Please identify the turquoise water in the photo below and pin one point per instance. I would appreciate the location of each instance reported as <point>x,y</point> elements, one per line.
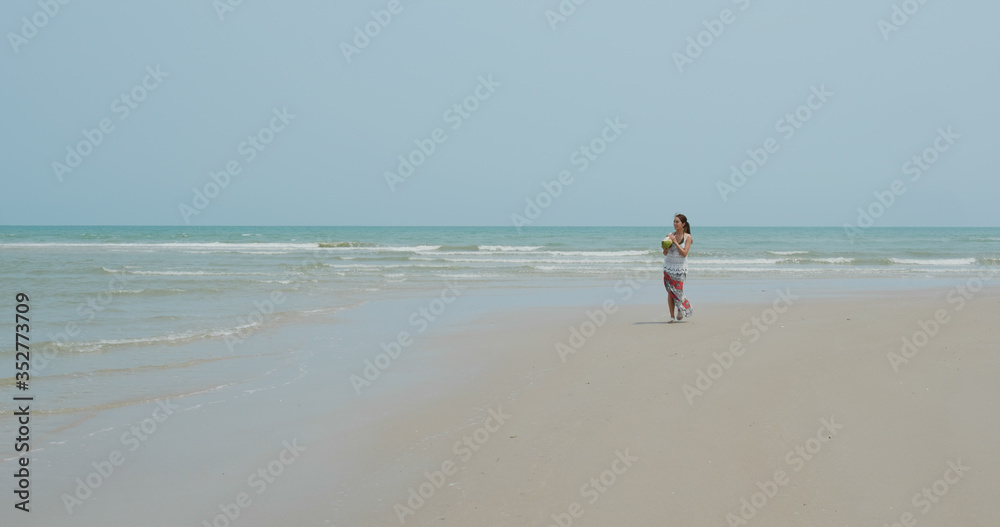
<point>503,252</point>
<point>128,314</point>
<point>172,285</point>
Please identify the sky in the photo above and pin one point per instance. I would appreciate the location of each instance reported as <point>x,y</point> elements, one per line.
<point>474,112</point>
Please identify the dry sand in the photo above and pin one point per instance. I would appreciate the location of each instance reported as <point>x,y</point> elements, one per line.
<point>811,424</point>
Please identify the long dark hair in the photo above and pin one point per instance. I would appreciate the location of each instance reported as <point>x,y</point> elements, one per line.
<point>684,219</point>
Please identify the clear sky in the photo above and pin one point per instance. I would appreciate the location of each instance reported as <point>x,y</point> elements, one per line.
<point>310,113</point>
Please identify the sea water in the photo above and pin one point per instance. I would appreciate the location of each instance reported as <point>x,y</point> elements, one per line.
<point>125,315</point>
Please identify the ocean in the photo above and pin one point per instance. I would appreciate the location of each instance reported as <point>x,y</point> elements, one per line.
<point>124,315</point>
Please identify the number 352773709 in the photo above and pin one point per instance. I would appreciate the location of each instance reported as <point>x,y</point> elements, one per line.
<point>22,358</point>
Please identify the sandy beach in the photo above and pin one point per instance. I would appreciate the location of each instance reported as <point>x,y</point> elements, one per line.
<point>781,409</point>
<point>821,419</point>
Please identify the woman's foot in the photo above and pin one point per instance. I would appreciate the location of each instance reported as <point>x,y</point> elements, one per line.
<point>680,315</point>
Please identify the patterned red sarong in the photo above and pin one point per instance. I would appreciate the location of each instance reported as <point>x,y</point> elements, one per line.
<point>675,287</point>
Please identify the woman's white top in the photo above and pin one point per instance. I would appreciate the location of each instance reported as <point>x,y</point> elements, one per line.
<point>673,262</point>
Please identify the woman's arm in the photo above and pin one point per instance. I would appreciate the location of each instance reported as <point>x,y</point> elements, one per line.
<point>687,246</point>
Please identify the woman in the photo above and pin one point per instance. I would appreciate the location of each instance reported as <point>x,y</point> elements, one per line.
<point>675,267</point>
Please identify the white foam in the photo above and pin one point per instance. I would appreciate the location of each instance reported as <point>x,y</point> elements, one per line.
<point>469,276</point>
<point>89,347</point>
<point>509,248</point>
<point>601,253</point>
<point>216,246</point>
<point>184,273</point>
<point>939,261</point>
<point>413,248</point>
<point>523,260</point>
<point>737,261</point>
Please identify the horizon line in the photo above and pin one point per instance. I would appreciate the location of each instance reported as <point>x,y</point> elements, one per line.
<point>525,227</point>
